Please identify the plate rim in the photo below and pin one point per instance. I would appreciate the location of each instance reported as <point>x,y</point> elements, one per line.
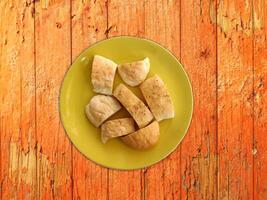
<point>69,135</point>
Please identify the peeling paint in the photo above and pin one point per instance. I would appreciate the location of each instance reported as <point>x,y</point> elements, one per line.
<point>247,5</point>
<point>212,13</point>
<point>22,164</point>
<point>254,151</point>
<point>258,23</point>
<point>194,175</point>
<point>12,56</point>
<point>231,20</point>
<point>44,4</point>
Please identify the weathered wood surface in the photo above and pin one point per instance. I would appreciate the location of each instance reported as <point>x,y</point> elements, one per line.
<point>198,54</point>
<point>235,100</point>
<point>125,184</point>
<point>89,180</point>
<point>162,24</point>
<point>223,46</point>
<point>53,56</point>
<point>260,98</point>
<point>18,105</point>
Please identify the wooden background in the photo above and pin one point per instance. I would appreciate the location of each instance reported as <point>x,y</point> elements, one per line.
<point>223,46</point>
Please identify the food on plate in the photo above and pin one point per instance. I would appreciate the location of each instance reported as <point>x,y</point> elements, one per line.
<point>103,73</point>
<point>144,138</point>
<point>134,73</point>
<point>100,108</point>
<point>158,98</point>
<point>116,128</point>
<point>103,106</point>
<point>137,109</point>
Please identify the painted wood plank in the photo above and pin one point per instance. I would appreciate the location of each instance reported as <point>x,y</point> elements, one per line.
<point>89,179</point>
<point>260,99</point>
<point>235,99</point>
<point>198,54</point>
<point>125,18</point>
<point>53,56</point>
<point>17,101</point>
<point>162,24</point>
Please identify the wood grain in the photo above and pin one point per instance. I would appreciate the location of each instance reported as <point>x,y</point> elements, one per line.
<point>198,54</point>
<point>90,180</point>
<point>260,99</point>
<point>125,18</point>
<point>162,181</point>
<point>223,47</point>
<point>53,56</point>
<point>17,101</point>
<point>235,99</point>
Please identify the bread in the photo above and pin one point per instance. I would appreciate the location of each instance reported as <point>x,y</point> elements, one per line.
<point>100,108</point>
<point>158,98</point>
<point>143,138</point>
<point>137,109</point>
<point>134,73</point>
<point>102,76</point>
<point>116,128</point>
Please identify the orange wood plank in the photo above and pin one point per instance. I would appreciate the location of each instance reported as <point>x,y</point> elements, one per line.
<point>235,100</point>
<point>260,99</point>
<point>162,24</point>
<point>125,18</point>
<point>89,180</point>
<point>198,54</point>
<point>17,101</point>
<point>53,56</point>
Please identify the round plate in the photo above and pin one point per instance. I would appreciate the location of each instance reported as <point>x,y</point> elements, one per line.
<point>76,92</point>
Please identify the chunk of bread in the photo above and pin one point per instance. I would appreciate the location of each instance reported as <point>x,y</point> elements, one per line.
<point>137,109</point>
<point>102,76</point>
<point>134,73</point>
<point>100,108</point>
<point>116,128</point>
<point>144,138</point>
<point>158,98</point>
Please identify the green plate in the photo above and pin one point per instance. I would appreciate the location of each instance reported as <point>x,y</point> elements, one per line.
<point>76,91</point>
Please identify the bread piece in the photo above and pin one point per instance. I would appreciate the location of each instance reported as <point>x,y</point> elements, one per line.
<point>157,98</point>
<point>102,76</point>
<point>100,108</point>
<point>116,128</point>
<point>134,73</point>
<point>133,105</point>
<point>143,138</point>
